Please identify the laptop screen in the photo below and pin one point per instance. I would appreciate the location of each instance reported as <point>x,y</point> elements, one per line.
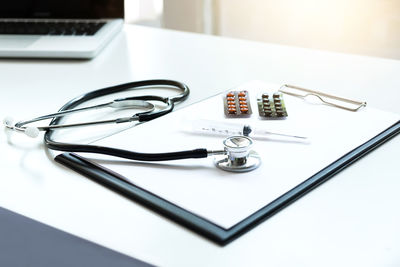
<point>74,9</point>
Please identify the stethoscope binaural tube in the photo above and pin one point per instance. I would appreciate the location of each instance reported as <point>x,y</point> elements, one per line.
<point>120,103</point>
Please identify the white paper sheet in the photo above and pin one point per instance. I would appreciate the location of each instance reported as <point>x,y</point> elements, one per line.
<point>226,198</point>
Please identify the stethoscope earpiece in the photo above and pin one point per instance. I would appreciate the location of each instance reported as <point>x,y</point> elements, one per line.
<point>31,131</point>
<point>8,121</point>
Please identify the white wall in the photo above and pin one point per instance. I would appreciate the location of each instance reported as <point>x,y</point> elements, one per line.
<point>369,27</point>
<point>183,15</point>
<point>145,12</point>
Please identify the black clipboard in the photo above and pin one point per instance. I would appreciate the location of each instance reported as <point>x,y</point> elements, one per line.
<point>204,227</point>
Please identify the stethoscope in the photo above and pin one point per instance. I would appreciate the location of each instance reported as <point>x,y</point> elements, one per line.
<point>236,156</point>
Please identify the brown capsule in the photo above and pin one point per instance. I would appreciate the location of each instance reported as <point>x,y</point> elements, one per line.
<point>242,93</point>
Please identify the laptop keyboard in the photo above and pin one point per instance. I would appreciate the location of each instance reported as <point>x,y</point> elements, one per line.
<point>50,28</point>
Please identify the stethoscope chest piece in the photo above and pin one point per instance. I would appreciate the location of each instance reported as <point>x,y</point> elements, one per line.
<point>238,157</point>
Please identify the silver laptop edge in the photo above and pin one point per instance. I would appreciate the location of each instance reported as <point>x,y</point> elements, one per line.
<point>50,46</point>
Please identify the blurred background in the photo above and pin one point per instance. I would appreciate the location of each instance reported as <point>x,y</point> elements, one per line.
<point>366,27</point>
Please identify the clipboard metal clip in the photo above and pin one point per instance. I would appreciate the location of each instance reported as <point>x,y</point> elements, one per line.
<point>330,100</point>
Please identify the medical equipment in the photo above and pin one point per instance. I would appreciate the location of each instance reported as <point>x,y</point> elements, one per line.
<point>235,157</point>
<point>204,126</point>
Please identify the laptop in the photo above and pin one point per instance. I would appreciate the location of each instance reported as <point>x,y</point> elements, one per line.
<point>58,28</point>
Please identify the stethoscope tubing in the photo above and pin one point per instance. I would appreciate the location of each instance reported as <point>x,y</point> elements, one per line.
<point>141,117</point>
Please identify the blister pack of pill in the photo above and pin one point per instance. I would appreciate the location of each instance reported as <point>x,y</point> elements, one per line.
<point>237,104</point>
<point>271,106</point>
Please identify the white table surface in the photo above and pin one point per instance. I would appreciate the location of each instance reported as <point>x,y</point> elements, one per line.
<point>351,220</point>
